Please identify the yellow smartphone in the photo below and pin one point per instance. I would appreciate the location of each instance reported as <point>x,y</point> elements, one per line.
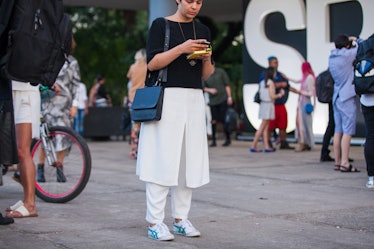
<point>199,53</point>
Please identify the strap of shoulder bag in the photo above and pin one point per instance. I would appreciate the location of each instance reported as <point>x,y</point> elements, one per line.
<point>163,73</point>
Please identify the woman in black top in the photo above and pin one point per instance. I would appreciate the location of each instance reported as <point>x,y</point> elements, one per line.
<point>173,152</point>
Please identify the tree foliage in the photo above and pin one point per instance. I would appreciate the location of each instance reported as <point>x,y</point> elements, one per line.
<point>106,43</point>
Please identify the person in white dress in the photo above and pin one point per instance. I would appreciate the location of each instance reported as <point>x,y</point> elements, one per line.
<point>267,110</point>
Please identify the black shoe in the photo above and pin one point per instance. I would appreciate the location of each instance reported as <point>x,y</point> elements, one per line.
<point>5,169</point>
<point>16,176</point>
<point>226,143</point>
<point>286,146</point>
<point>270,144</point>
<point>60,174</point>
<point>5,221</point>
<point>327,158</point>
<point>213,144</point>
<point>40,173</point>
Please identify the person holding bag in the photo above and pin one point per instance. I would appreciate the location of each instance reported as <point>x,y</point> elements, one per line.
<point>173,152</point>
<point>304,117</point>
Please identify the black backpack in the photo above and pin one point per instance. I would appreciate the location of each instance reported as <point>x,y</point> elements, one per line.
<point>231,120</point>
<point>364,67</point>
<point>324,87</point>
<point>39,41</point>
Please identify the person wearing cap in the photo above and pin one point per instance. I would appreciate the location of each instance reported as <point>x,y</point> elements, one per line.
<point>280,121</point>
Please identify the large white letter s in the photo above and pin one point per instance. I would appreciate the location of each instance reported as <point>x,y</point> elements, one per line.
<point>260,47</point>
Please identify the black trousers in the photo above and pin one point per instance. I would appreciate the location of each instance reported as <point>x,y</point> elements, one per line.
<point>329,133</point>
<point>218,115</point>
<point>368,113</point>
<point>8,145</point>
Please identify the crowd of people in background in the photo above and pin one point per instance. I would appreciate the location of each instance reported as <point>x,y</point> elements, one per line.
<point>342,109</point>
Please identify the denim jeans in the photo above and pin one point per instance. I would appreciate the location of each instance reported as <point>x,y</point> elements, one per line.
<point>368,113</point>
<point>79,121</point>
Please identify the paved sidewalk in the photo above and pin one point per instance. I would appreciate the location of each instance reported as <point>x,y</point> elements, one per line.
<point>255,200</point>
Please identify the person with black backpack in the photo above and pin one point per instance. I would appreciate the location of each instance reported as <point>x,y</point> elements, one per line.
<point>341,67</point>
<point>324,92</point>
<point>26,102</point>
<point>367,107</point>
<point>38,40</point>
<point>8,146</point>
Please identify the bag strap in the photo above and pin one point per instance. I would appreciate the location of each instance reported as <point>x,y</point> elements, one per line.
<point>163,73</point>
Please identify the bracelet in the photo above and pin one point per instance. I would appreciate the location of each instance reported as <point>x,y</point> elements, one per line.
<point>229,97</point>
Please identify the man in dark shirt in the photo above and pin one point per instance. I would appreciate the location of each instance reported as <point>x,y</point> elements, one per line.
<point>218,87</point>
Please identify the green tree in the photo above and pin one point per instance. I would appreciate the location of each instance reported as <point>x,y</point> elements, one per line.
<point>106,43</point>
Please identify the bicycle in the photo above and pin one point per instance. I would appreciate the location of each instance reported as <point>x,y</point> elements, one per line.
<point>67,163</point>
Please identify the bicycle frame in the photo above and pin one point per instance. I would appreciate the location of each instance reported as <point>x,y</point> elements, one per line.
<point>49,149</point>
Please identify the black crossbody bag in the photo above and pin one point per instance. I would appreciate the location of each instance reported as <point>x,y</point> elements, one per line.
<point>148,101</point>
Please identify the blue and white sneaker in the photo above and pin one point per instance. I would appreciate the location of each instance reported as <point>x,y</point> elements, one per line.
<point>185,228</point>
<point>370,182</point>
<point>160,232</point>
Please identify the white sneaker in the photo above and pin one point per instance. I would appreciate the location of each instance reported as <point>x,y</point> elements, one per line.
<point>370,182</point>
<point>185,228</point>
<point>160,232</point>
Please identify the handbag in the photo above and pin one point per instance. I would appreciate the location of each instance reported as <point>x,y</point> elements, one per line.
<point>309,108</point>
<point>257,98</point>
<point>147,105</point>
<point>148,101</point>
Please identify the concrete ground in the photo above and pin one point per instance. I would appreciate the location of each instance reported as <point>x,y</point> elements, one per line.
<point>254,200</point>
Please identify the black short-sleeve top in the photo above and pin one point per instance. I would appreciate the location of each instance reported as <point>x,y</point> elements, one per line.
<point>180,73</point>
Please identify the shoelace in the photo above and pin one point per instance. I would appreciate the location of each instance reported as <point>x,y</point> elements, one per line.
<point>158,229</point>
<point>186,225</point>
<point>161,228</point>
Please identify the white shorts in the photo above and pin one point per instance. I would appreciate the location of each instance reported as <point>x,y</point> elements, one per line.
<point>26,106</point>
